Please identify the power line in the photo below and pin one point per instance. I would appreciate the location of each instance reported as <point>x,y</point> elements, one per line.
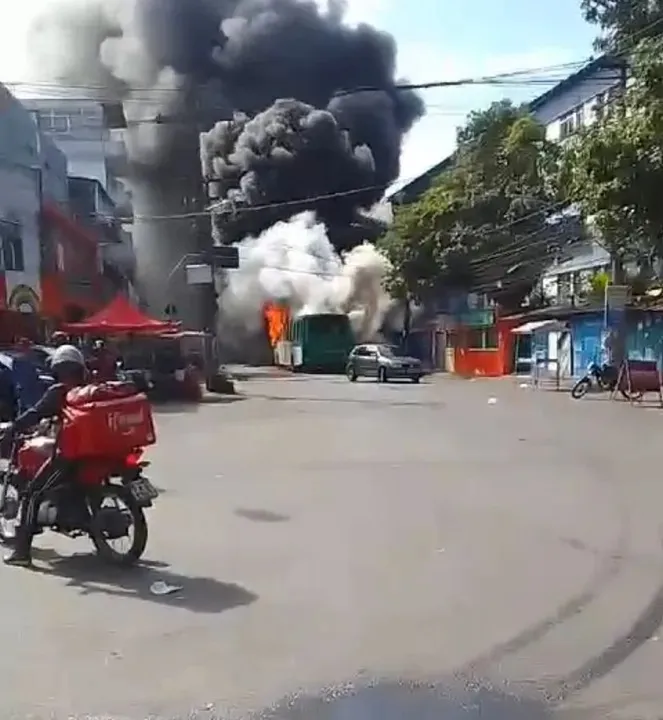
<point>258,208</point>
<point>153,93</point>
<point>515,248</point>
<point>304,201</point>
<point>629,41</point>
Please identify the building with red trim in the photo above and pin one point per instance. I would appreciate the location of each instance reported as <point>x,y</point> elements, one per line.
<point>71,277</point>
<point>50,271</point>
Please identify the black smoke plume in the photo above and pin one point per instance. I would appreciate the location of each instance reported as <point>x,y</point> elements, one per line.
<point>260,79</point>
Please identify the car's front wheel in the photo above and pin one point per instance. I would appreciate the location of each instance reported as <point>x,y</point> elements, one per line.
<point>351,373</point>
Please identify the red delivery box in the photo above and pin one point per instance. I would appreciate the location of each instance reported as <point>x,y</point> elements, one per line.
<point>106,420</point>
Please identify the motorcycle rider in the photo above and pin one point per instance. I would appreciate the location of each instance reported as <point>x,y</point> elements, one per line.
<point>58,338</point>
<point>68,365</point>
<point>102,362</point>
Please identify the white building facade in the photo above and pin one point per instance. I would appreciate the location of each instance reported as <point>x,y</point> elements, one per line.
<point>572,104</point>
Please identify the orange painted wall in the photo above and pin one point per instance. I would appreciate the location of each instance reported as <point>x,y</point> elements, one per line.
<point>470,362</point>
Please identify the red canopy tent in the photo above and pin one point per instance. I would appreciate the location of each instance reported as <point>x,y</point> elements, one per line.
<point>121,317</point>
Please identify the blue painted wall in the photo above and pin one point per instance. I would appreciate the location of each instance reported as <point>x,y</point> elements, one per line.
<point>644,337</point>
<point>586,338</point>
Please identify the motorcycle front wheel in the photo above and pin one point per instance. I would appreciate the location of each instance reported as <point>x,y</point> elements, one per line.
<point>113,522</point>
<point>581,388</point>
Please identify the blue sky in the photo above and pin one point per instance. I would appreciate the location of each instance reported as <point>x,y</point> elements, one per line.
<point>437,40</point>
<point>440,40</point>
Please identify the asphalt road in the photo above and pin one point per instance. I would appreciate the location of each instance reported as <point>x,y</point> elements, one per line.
<point>380,552</point>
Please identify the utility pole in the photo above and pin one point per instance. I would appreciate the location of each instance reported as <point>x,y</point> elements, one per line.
<point>617,262</point>
<point>203,225</point>
<point>616,301</point>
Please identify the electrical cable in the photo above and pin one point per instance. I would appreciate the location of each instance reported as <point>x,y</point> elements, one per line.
<point>152,93</point>
<point>495,79</point>
<point>499,286</point>
<point>329,196</point>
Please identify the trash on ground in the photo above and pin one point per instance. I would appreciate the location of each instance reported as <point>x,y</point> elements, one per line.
<point>492,401</point>
<point>162,588</point>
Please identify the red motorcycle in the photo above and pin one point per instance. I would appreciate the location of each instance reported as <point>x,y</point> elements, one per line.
<point>107,492</point>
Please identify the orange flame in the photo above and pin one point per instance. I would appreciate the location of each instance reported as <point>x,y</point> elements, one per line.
<point>276,319</point>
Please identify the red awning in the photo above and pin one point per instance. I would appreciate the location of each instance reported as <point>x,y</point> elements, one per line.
<point>121,317</point>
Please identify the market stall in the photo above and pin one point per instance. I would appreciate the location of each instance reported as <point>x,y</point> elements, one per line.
<point>146,346</point>
<point>120,317</point>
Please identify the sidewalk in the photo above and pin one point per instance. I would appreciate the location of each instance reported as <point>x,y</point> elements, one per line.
<point>249,372</point>
<point>522,381</point>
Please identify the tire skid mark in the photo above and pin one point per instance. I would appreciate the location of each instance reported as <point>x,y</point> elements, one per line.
<point>606,572</point>
<point>642,630</point>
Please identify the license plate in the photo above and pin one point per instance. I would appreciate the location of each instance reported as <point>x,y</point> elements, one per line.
<point>143,490</point>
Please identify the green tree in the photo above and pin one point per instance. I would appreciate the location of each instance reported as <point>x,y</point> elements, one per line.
<point>624,22</point>
<point>484,216</point>
<point>614,168</point>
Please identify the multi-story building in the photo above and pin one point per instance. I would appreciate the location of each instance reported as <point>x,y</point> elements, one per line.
<point>41,244</point>
<point>92,207</point>
<point>575,102</point>
<point>80,128</point>
<point>581,98</point>
<point>572,104</point>
<point>22,159</point>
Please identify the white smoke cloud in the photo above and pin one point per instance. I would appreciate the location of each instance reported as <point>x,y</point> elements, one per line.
<point>294,262</point>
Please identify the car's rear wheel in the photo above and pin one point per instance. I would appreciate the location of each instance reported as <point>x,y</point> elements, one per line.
<point>416,379</point>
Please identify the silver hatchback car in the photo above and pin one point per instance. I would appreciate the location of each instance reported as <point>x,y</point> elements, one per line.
<point>382,362</point>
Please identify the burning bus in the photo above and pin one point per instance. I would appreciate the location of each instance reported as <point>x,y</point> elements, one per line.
<point>317,342</point>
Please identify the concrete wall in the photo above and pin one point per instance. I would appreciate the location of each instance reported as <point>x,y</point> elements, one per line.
<point>77,128</point>
<point>20,211</point>
<point>29,167</point>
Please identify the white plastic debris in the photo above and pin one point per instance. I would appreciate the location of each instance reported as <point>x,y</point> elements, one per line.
<point>523,385</point>
<point>162,588</point>
<point>492,401</point>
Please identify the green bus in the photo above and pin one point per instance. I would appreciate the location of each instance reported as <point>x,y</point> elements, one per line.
<point>318,343</point>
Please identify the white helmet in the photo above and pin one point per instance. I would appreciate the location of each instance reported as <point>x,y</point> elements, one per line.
<point>67,354</point>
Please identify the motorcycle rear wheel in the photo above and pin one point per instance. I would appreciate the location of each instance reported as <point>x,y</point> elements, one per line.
<point>100,539</point>
<point>581,388</point>
<point>9,514</point>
